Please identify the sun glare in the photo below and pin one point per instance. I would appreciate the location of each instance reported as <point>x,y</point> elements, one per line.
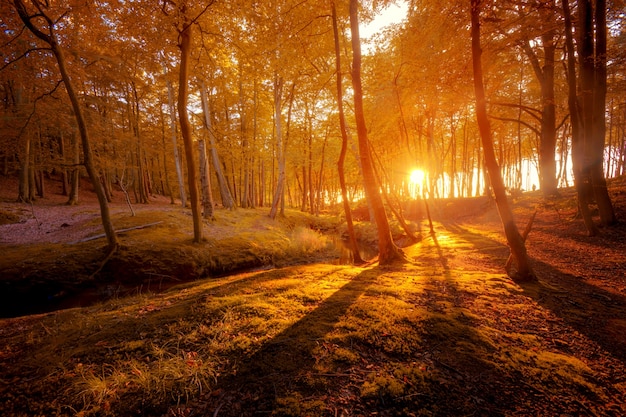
<point>416,177</point>
<point>416,181</point>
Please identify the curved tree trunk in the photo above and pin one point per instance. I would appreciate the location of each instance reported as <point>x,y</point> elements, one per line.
<point>185,128</point>
<point>387,249</point>
<point>513,237</point>
<point>57,51</point>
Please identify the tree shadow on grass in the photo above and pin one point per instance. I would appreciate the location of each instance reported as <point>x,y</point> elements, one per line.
<point>283,365</point>
<point>594,312</point>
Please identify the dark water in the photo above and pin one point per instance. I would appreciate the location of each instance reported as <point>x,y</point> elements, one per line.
<point>48,297</point>
<point>346,256</point>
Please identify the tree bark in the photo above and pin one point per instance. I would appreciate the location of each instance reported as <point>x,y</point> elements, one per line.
<point>388,252</point>
<point>185,35</point>
<point>545,76</point>
<point>205,182</point>
<point>280,152</point>
<point>514,239</point>
<point>179,169</point>
<point>598,132</point>
<point>581,179</point>
<point>227,198</point>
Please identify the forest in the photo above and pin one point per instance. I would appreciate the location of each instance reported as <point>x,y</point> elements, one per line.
<point>239,207</point>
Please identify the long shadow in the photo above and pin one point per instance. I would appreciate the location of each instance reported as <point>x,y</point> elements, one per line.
<point>283,363</point>
<point>591,310</point>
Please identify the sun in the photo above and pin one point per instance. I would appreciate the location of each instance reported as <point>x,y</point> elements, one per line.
<point>416,182</point>
<point>416,177</point>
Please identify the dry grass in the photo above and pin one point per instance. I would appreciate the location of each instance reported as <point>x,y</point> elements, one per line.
<point>444,333</point>
<point>303,339</point>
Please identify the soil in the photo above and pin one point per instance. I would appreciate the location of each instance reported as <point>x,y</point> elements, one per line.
<point>573,315</point>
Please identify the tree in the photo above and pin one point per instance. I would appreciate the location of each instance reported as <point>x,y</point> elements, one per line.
<point>581,179</point>
<point>545,76</point>
<point>592,63</point>
<point>514,239</point>
<point>184,28</point>
<point>47,33</point>
<point>227,199</point>
<point>388,252</point>
<point>356,256</point>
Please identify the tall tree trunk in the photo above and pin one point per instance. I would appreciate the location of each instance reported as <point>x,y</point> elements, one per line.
<point>318,195</point>
<point>387,249</point>
<point>581,179</point>
<point>205,182</point>
<point>177,161</point>
<point>245,146</point>
<point>516,243</point>
<point>598,130</point>
<point>166,171</point>
<point>227,199</point>
<point>24,183</point>
<point>545,76</point>
<point>64,176</point>
<point>57,51</point>
<point>184,39</point>
<point>280,152</point>
<point>75,172</point>
<point>134,120</point>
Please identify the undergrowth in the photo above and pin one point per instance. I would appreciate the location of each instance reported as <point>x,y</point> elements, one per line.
<point>294,340</point>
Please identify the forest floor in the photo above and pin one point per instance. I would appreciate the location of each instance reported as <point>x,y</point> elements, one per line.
<point>298,333</point>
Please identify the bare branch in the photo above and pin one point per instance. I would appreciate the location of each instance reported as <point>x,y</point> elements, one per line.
<point>195,19</point>
<point>528,125</point>
<point>32,113</point>
<point>535,113</point>
<point>13,61</point>
<point>27,20</point>
<point>14,38</point>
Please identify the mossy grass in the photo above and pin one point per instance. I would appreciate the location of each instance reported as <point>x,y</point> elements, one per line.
<point>293,340</point>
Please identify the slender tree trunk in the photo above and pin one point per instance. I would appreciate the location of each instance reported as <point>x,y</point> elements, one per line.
<point>227,199</point>
<point>318,197</point>
<point>184,44</point>
<point>280,153</point>
<point>168,187</point>
<point>64,176</point>
<point>516,243</point>
<point>142,182</point>
<point>51,40</point>
<point>177,161</point>
<point>205,181</point>
<point>24,183</point>
<point>107,224</point>
<point>75,172</point>
<point>388,252</point>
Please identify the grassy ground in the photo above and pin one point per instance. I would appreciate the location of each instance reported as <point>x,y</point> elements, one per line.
<point>444,333</point>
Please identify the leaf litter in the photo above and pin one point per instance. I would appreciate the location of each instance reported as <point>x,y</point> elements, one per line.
<point>444,333</point>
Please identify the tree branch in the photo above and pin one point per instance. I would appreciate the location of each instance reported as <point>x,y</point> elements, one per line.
<point>32,113</point>
<point>535,113</point>
<point>506,119</point>
<point>13,61</point>
<point>27,19</point>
